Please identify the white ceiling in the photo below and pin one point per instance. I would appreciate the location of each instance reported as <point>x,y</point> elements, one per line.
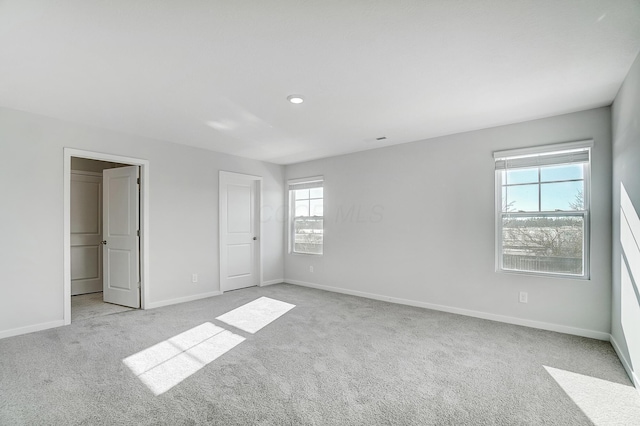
<point>215,74</point>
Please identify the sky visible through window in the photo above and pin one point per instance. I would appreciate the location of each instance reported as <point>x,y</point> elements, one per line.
<point>309,202</point>
<point>547,188</point>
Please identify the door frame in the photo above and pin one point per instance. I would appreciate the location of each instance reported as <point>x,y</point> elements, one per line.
<point>144,221</point>
<point>257,180</point>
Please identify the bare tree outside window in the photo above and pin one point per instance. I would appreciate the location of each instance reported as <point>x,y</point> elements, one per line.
<point>544,244</point>
<point>578,202</point>
<point>308,233</point>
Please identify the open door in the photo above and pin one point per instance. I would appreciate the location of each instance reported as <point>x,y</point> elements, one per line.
<point>121,224</point>
<point>239,231</point>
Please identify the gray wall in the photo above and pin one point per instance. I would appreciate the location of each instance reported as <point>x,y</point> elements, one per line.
<point>416,222</point>
<point>183,229</point>
<point>625,323</point>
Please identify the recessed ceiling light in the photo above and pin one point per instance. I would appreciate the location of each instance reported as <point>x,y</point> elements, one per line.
<point>295,99</point>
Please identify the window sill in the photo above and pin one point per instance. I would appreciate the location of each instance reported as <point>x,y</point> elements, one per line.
<point>544,274</point>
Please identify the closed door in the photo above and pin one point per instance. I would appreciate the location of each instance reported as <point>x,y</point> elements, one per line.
<point>239,229</point>
<point>121,226</point>
<point>86,233</point>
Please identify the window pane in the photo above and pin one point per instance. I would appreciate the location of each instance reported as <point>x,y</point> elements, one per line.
<point>562,196</point>
<point>522,198</point>
<point>505,206</point>
<point>316,207</point>
<point>302,208</point>
<point>522,176</point>
<point>543,244</point>
<point>301,194</point>
<point>316,192</point>
<point>308,235</point>
<point>566,172</point>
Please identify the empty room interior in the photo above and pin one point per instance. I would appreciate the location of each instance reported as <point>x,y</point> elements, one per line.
<point>320,212</point>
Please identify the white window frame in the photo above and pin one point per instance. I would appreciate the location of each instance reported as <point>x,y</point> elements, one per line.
<point>292,206</point>
<point>585,213</point>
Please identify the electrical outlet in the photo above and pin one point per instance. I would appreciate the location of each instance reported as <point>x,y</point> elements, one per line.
<point>524,297</point>
<point>311,269</point>
<point>194,278</point>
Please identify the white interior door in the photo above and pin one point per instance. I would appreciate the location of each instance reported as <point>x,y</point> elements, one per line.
<point>121,223</point>
<point>239,229</point>
<point>86,233</point>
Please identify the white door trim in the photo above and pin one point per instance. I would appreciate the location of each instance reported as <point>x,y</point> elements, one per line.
<point>222,236</point>
<point>144,219</point>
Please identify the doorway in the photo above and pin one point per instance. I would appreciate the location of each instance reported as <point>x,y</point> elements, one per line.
<point>114,267</point>
<point>240,243</point>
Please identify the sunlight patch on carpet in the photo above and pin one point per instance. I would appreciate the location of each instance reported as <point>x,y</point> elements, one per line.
<point>168,363</point>
<point>604,402</point>
<point>255,315</point>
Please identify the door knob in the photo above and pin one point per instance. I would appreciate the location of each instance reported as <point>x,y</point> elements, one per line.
<point>104,243</point>
<point>255,238</point>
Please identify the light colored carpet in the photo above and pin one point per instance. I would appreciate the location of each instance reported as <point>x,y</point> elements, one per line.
<point>330,360</point>
<point>91,305</point>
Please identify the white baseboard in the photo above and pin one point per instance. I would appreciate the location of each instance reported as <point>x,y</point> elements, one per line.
<point>625,363</point>
<point>168,302</point>
<point>460,311</point>
<point>30,328</point>
<point>271,282</point>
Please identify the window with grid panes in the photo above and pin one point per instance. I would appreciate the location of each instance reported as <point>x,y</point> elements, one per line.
<point>306,199</point>
<point>542,217</point>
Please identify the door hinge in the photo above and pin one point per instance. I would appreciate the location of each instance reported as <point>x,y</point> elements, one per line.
<point>139,285</point>
<point>138,181</point>
<point>138,232</point>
